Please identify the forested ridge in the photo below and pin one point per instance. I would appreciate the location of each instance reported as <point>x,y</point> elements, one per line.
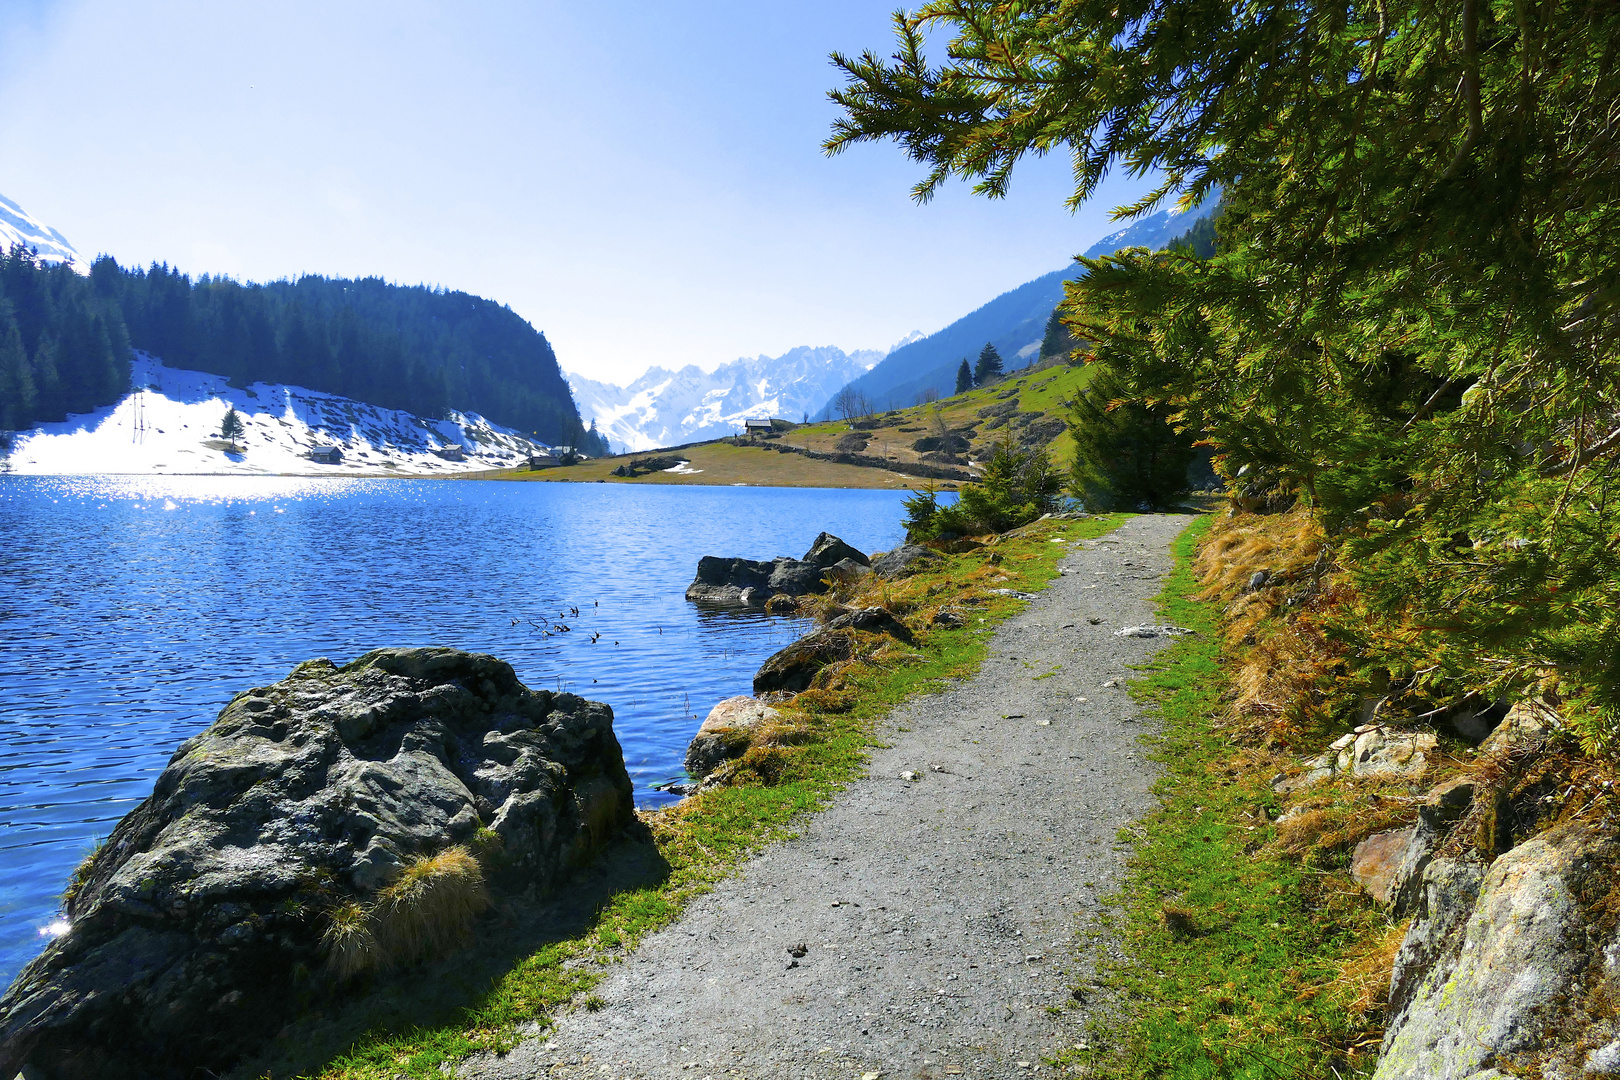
<point>65,340</point>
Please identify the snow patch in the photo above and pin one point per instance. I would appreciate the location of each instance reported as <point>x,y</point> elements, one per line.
<point>17,226</point>
<point>169,424</point>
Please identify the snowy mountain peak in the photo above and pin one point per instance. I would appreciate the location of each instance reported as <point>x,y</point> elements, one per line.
<point>915,335</point>
<point>668,408</point>
<point>17,226</point>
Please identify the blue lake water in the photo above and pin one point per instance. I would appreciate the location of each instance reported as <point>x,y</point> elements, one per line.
<point>133,608</point>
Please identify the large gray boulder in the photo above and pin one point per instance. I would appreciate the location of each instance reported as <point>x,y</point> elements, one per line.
<point>828,551</point>
<point>196,931</point>
<point>1478,982</point>
<point>904,560</point>
<point>750,582</point>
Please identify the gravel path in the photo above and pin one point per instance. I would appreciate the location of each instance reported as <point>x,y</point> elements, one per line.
<point>939,917</point>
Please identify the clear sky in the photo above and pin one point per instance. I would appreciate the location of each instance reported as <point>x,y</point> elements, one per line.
<point>642,181</point>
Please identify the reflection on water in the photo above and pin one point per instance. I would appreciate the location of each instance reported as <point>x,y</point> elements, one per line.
<point>133,608</point>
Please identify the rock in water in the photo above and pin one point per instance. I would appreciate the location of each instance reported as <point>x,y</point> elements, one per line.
<point>196,930</point>
<point>828,551</point>
<point>750,583</point>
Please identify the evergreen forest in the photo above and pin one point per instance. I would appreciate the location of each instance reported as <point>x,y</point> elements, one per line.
<point>65,342</point>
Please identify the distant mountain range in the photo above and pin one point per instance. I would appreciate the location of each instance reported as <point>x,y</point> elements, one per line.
<point>1013,322</point>
<point>668,408</point>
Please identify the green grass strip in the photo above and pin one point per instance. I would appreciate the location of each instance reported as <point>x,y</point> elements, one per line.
<point>1223,945</point>
<point>722,828</point>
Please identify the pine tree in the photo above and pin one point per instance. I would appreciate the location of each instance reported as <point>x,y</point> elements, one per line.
<point>1056,341</point>
<point>1412,312</point>
<point>988,369</point>
<point>16,382</point>
<point>1127,457</point>
<point>964,377</point>
<point>231,427</point>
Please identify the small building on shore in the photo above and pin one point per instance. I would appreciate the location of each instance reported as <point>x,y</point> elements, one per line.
<point>541,460</point>
<point>326,455</point>
<point>451,453</point>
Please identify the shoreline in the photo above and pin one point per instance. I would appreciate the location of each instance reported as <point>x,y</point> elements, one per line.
<point>698,843</point>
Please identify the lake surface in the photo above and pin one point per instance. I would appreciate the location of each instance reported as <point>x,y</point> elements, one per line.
<point>133,608</point>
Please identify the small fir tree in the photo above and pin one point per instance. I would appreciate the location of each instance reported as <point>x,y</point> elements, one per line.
<point>989,366</point>
<point>231,427</point>
<point>1127,457</point>
<point>964,377</point>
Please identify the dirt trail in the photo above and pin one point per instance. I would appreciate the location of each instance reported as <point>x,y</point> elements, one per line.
<point>940,916</point>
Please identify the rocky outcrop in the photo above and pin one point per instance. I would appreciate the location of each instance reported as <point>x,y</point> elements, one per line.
<point>904,560</point>
<point>1369,750</point>
<point>791,669</point>
<point>751,583</point>
<point>726,733</point>
<point>1481,981</point>
<point>1390,865</point>
<point>197,929</point>
<point>828,550</point>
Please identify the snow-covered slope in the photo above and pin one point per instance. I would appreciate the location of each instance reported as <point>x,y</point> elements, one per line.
<point>667,408</point>
<point>170,425</point>
<point>17,227</point>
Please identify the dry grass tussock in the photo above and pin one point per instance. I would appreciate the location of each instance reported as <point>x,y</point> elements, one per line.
<point>427,910</point>
<point>1362,985</point>
<point>1283,680</point>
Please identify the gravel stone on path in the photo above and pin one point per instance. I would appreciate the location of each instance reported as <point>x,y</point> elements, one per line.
<point>942,916</point>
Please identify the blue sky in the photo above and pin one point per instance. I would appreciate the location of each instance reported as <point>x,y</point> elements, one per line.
<point>643,183</point>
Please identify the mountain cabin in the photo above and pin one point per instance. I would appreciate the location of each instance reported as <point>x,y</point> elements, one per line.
<point>758,425</point>
<point>326,455</point>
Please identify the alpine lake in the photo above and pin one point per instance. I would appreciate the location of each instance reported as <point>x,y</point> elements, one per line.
<point>132,608</point>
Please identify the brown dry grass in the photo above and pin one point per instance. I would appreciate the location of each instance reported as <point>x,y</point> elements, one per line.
<point>1362,986</point>
<point>351,948</point>
<point>431,906</point>
<point>1286,664</point>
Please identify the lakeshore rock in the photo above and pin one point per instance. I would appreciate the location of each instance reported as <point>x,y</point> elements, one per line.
<point>725,733</point>
<point>828,550</point>
<point>1477,996</point>
<point>904,560</point>
<point>791,669</point>
<point>848,570</point>
<point>876,620</point>
<point>195,931</point>
<point>751,582</point>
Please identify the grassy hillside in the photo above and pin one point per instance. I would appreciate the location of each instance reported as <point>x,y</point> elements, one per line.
<point>1027,404</point>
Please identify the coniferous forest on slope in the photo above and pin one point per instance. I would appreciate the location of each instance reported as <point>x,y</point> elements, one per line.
<point>65,341</point>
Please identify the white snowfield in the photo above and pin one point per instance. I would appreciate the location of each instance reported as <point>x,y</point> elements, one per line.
<point>17,226</point>
<point>170,425</point>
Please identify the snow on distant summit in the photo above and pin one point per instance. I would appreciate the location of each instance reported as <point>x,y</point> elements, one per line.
<point>169,425</point>
<point>668,408</point>
<point>18,227</point>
